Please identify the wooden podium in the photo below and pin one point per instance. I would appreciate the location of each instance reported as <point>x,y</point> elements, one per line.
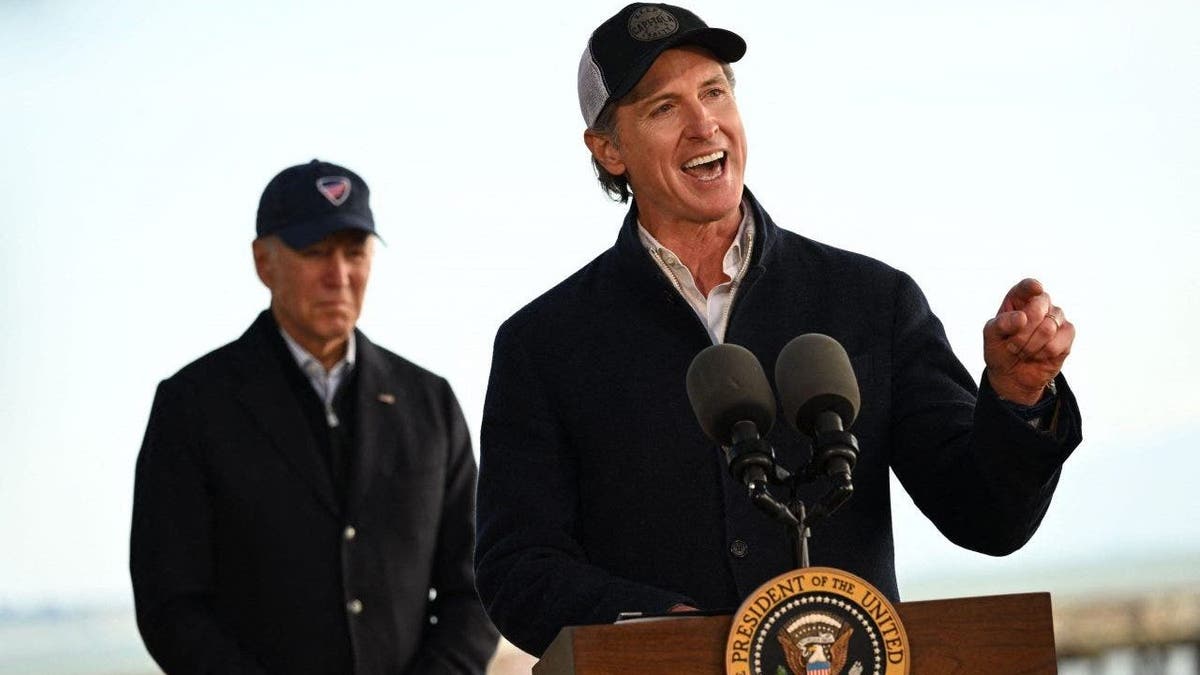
<point>1008,634</point>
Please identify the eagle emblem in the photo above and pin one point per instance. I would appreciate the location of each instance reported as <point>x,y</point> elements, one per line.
<point>816,644</point>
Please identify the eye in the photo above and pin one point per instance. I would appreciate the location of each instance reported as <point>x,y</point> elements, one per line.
<point>662,109</point>
<point>715,92</point>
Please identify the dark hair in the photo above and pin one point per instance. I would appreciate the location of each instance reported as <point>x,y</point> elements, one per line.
<point>617,187</point>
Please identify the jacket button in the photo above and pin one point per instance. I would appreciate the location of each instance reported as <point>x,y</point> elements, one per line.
<point>349,533</point>
<point>355,606</point>
<point>738,548</point>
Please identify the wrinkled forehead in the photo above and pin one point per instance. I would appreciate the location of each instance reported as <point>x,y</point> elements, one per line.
<point>674,64</point>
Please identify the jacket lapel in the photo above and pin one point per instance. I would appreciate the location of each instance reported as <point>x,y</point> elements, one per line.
<point>269,400</point>
<point>379,401</point>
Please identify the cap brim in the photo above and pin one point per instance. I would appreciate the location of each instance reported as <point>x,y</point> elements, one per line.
<point>725,45</point>
<point>306,234</point>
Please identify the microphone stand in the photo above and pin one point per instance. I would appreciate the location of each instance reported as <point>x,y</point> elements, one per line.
<point>835,451</point>
<point>752,460</point>
<point>800,534</point>
<point>793,515</point>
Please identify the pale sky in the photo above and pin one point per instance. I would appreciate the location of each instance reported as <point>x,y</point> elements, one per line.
<point>967,143</point>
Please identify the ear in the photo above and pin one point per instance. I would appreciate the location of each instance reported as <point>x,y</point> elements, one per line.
<point>264,258</point>
<point>606,152</point>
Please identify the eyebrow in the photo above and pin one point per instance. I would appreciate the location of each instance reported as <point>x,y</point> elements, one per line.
<point>636,97</point>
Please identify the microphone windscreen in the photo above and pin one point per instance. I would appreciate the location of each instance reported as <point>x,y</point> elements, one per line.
<point>813,375</point>
<point>726,385</point>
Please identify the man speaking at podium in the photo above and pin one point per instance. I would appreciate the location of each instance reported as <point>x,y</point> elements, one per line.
<point>599,492</point>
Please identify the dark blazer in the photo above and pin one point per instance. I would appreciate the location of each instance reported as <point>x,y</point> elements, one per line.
<point>243,560</point>
<point>599,493</point>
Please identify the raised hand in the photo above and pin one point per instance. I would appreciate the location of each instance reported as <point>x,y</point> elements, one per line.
<point>1025,344</point>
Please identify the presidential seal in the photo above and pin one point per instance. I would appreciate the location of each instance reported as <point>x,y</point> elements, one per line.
<point>816,621</point>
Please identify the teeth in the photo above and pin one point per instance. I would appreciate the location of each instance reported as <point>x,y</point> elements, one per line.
<point>705,159</point>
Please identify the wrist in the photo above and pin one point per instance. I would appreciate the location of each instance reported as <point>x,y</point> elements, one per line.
<point>1013,392</point>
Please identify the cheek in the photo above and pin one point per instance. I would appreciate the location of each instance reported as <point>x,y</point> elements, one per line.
<point>301,303</point>
<point>357,290</point>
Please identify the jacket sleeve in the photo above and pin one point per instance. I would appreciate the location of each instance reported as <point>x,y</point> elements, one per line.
<point>533,575</point>
<point>459,639</point>
<point>170,551</point>
<point>979,472</point>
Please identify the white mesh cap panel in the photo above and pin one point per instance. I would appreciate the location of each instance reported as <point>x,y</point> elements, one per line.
<point>592,91</point>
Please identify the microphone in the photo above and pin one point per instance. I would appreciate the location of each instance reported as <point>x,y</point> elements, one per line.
<point>819,393</point>
<point>735,406</point>
<point>726,385</point>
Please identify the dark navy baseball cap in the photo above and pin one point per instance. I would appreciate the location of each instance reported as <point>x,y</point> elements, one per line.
<point>624,47</point>
<point>303,204</point>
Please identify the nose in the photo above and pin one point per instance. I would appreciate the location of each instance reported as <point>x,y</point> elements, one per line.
<point>337,269</point>
<point>700,122</point>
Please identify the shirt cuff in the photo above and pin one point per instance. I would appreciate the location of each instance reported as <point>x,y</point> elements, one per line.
<point>1039,414</point>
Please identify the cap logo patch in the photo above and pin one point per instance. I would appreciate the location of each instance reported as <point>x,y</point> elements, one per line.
<point>335,188</point>
<point>651,23</point>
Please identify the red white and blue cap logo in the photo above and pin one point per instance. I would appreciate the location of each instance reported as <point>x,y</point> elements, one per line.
<point>334,188</point>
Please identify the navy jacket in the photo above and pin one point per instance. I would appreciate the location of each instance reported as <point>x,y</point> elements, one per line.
<point>599,493</point>
<point>244,559</point>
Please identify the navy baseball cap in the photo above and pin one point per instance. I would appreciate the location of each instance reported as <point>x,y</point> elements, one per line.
<point>623,48</point>
<point>303,204</point>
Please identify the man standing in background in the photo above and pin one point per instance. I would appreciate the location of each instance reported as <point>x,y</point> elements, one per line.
<point>304,499</point>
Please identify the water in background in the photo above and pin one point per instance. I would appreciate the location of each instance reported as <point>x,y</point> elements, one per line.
<point>83,641</point>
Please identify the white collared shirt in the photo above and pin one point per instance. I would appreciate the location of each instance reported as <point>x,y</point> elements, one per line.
<point>714,309</point>
<point>324,382</point>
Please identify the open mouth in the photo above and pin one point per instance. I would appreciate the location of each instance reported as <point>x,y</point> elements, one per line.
<point>706,167</point>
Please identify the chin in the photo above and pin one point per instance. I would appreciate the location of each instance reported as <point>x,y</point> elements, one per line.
<point>341,328</point>
<point>335,327</point>
<point>717,207</point>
